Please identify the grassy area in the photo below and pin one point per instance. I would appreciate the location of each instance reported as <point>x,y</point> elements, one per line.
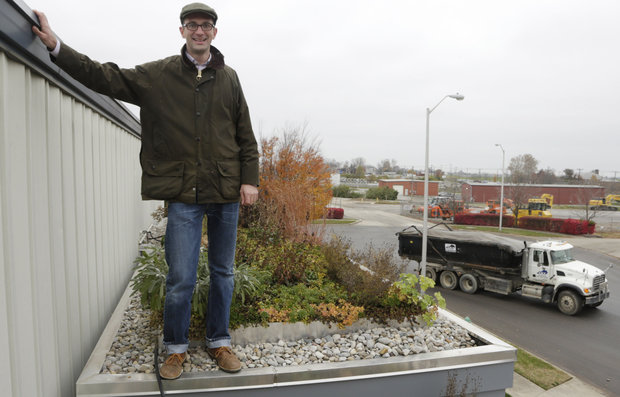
<point>610,235</point>
<point>508,230</point>
<point>334,221</point>
<point>538,371</point>
<point>567,207</point>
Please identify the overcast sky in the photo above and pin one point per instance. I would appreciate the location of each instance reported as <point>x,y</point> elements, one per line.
<point>539,77</point>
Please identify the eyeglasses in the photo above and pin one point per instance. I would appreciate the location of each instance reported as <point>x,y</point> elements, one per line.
<point>193,26</point>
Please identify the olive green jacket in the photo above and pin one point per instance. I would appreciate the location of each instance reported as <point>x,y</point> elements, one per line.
<point>197,140</point>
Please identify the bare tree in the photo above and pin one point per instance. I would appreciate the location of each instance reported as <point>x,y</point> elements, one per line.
<point>570,177</point>
<point>358,167</point>
<point>384,166</point>
<point>546,176</point>
<point>587,213</point>
<point>522,168</point>
<point>519,196</point>
<point>333,165</point>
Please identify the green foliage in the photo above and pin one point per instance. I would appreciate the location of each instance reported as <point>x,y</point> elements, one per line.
<point>282,279</point>
<point>297,302</point>
<point>382,193</point>
<point>366,275</point>
<point>249,283</point>
<point>150,278</point>
<point>345,191</point>
<point>150,282</point>
<point>288,262</point>
<point>201,290</point>
<point>408,292</point>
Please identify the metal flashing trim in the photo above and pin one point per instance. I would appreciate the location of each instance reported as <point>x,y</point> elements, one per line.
<point>18,41</point>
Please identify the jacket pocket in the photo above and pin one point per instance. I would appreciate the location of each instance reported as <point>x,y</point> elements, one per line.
<point>162,180</point>
<point>230,178</point>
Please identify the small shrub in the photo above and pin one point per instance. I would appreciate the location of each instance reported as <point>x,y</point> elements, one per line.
<point>160,213</point>
<point>276,316</point>
<point>295,181</point>
<point>366,275</point>
<point>382,193</point>
<point>341,191</point>
<point>343,314</point>
<point>407,293</point>
<point>150,278</point>
<point>556,225</point>
<point>335,213</point>
<point>345,191</point>
<point>292,262</point>
<point>483,219</point>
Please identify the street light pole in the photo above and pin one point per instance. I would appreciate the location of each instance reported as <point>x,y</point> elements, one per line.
<point>501,199</point>
<point>458,97</point>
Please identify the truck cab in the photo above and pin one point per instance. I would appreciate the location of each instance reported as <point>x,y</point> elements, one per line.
<point>553,275</point>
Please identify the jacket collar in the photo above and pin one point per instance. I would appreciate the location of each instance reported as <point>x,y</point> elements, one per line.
<point>217,59</point>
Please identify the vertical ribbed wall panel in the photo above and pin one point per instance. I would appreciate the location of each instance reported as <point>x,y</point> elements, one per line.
<point>70,213</point>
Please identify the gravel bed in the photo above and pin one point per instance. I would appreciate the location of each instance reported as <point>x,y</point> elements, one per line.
<point>133,345</point>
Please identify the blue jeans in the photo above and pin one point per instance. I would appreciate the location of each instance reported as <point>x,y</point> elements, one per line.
<point>182,245</point>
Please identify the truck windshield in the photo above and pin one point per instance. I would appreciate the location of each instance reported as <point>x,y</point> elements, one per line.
<point>563,256</point>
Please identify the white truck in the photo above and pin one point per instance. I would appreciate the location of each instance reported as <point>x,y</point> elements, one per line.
<point>474,260</point>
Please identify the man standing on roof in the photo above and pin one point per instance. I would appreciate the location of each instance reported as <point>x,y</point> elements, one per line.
<point>198,153</point>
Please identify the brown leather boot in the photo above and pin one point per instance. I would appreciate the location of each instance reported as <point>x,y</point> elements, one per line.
<point>225,359</point>
<point>173,366</point>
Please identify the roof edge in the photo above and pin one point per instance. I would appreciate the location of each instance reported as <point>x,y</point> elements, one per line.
<point>19,43</point>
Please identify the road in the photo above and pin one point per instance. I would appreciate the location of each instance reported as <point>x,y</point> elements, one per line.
<point>585,345</point>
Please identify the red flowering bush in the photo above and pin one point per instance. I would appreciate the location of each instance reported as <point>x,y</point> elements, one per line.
<point>557,225</point>
<point>335,213</point>
<point>483,219</point>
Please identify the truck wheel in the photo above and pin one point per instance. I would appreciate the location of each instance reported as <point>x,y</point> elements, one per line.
<point>431,273</point>
<point>569,302</point>
<point>468,283</point>
<point>448,279</point>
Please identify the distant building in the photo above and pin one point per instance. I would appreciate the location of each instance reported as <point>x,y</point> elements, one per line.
<point>408,187</point>
<point>370,170</point>
<point>562,194</point>
<point>335,179</point>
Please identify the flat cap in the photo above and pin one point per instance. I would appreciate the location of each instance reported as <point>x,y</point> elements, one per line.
<point>198,8</point>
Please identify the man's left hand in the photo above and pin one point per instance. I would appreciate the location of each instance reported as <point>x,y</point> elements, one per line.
<point>249,194</point>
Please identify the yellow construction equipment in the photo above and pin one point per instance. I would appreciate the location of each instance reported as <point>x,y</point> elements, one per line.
<point>611,202</point>
<point>538,206</point>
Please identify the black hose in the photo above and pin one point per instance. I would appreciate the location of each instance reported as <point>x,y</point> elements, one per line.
<point>156,362</point>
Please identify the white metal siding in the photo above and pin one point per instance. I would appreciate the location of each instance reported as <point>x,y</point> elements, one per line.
<point>70,213</point>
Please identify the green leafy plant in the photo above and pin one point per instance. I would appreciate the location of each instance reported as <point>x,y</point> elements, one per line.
<point>366,275</point>
<point>408,292</point>
<point>152,270</point>
<point>382,193</point>
<point>150,278</point>
<point>345,191</point>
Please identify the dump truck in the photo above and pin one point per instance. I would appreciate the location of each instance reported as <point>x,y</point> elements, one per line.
<point>544,270</point>
<point>611,202</point>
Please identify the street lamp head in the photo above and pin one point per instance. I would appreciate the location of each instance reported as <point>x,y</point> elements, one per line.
<point>457,96</point>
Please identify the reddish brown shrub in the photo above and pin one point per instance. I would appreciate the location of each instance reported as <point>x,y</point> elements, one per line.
<point>295,180</point>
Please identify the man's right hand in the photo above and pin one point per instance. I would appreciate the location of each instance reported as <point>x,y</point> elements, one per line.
<point>45,33</point>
